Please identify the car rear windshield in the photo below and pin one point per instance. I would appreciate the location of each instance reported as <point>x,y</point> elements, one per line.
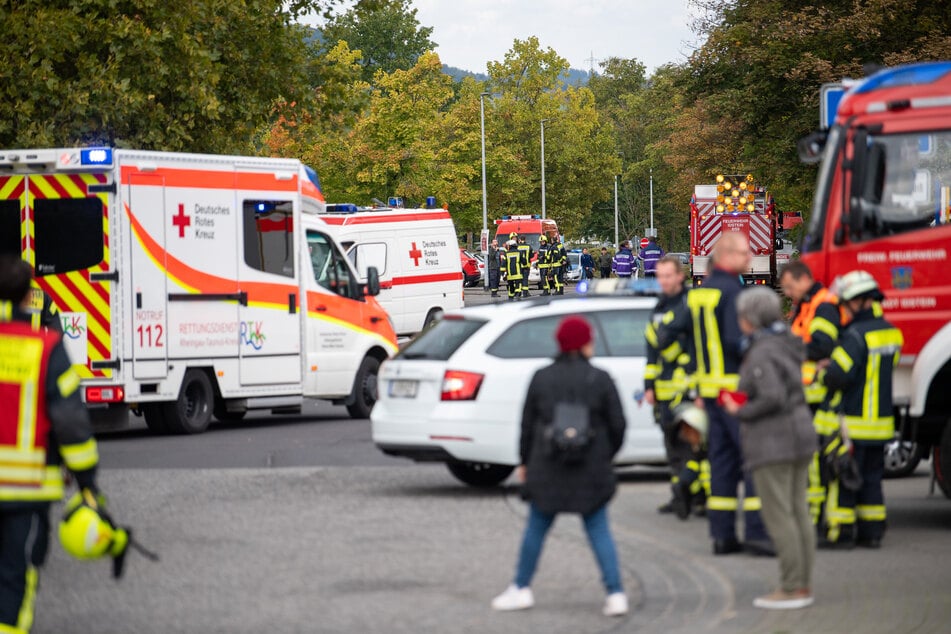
<point>441,340</point>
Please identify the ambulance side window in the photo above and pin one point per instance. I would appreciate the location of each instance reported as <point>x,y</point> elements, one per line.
<point>369,254</point>
<point>269,236</point>
<point>10,227</point>
<point>330,266</point>
<point>69,234</point>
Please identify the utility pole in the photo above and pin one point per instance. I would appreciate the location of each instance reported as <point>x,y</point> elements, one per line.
<point>543,168</point>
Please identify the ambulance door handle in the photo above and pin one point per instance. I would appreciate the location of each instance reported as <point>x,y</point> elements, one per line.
<point>138,300</point>
<point>374,320</point>
<point>321,308</point>
<point>292,303</point>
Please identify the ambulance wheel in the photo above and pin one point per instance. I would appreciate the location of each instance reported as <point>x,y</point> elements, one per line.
<point>191,413</point>
<point>364,389</point>
<point>479,474</point>
<point>155,418</point>
<point>431,316</point>
<point>941,461</point>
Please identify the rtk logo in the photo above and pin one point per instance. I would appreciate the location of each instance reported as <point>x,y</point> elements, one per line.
<point>73,326</point>
<point>251,334</point>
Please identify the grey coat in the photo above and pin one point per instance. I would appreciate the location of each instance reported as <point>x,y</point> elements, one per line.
<point>579,488</point>
<point>775,423</point>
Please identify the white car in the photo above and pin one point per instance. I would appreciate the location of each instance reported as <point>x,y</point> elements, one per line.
<point>455,393</point>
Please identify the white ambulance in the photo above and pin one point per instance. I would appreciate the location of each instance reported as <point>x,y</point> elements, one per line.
<point>194,285</point>
<point>416,254</point>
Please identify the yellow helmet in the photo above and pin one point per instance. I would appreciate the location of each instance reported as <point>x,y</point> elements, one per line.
<point>86,533</point>
<point>543,238</point>
<point>513,236</point>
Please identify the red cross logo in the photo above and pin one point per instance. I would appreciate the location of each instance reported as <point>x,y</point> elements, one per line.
<point>181,221</point>
<point>415,254</point>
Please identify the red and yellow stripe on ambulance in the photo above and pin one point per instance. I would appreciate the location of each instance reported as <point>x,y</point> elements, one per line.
<point>83,304</point>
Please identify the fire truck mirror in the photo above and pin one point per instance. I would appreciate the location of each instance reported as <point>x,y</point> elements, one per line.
<point>857,165</point>
<point>811,146</point>
<point>874,174</point>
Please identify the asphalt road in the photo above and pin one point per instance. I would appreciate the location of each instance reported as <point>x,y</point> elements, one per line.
<point>298,524</point>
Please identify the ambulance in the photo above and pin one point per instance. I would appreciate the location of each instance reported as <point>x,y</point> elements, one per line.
<point>415,253</point>
<point>193,286</point>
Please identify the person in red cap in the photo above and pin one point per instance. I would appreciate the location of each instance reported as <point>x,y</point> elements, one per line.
<point>572,426</point>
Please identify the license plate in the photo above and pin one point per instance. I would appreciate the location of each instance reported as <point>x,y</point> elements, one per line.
<point>403,389</point>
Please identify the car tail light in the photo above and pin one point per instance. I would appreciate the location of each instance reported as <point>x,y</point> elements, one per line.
<point>105,394</point>
<point>460,386</point>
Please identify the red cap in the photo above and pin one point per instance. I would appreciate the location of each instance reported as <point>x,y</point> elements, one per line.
<point>573,333</point>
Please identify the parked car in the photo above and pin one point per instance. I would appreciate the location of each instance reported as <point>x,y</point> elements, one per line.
<point>471,273</point>
<point>684,258</point>
<point>455,393</point>
<point>573,274</point>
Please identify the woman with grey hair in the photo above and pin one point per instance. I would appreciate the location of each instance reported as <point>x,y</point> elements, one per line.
<point>778,441</point>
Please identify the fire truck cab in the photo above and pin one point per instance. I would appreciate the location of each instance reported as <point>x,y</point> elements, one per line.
<point>883,204</point>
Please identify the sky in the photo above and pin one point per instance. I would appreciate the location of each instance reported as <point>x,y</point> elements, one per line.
<point>470,33</point>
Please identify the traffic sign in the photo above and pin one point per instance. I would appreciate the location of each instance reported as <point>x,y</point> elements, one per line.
<point>830,96</point>
<point>644,243</point>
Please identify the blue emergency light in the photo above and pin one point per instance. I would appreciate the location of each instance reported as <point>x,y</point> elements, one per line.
<point>95,156</point>
<point>910,75</point>
<point>430,201</point>
<point>342,208</point>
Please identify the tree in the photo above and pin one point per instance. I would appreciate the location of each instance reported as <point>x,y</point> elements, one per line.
<point>197,76</point>
<point>386,32</point>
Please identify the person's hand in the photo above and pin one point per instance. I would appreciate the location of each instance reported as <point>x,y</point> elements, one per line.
<point>649,397</point>
<point>823,363</point>
<point>729,404</point>
<point>520,473</point>
<point>698,401</point>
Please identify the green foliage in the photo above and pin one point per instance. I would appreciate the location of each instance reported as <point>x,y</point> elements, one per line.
<point>197,76</point>
<point>386,32</point>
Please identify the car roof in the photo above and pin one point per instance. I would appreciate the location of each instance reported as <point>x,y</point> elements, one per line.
<point>541,306</point>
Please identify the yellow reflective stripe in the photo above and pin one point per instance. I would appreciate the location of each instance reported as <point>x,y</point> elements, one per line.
<point>710,386</point>
<point>884,340</point>
<point>650,333</point>
<point>651,370</point>
<point>9,629</point>
<point>815,393</point>
<point>860,428</point>
<point>668,317</point>
<point>671,352</point>
<point>51,488</point>
<point>870,512</point>
<point>68,382</point>
<point>25,617</point>
<point>840,356</point>
<point>752,504</point>
<point>702,303</point>
<point>808,372</point>
<point>6,310</point>
<point>825,422</point>
<point>823,325</point>
<point>718,503</point>
<point>81,456</point>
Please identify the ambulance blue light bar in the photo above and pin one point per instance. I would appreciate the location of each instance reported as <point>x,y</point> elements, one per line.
<point>342,208</point>
<point>95,156</point>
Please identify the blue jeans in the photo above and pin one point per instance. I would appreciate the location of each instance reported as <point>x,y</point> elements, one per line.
<point>599,537</point>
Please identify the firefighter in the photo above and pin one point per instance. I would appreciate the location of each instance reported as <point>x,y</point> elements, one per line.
<point>666,382</point>
<point>42,310</point>
<point>559,261</point>
<point>513,270</point>
<point>525,250</point>
<point>717,345</point>
<point>816,320</point>
<point>43,424</point>
<point>544,265</point>
<point>859,376</point>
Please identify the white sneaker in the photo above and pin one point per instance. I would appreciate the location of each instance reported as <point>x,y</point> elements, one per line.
<point>615,604</point>
<point>514,598</point>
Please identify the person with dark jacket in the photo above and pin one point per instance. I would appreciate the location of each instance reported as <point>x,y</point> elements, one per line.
<point>604,263</point>
<point>553,485</point>
<point>493,263</point>
<point>778,441</point>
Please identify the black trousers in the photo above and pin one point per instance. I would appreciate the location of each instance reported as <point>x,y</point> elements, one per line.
<point>605,272</point>
<point>494,280</point>
<point>24,541</point>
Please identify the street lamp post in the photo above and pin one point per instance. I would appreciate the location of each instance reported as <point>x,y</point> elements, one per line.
<point>543,168</point>
<point>615,211</point>
<point>485,208</point>
<point>653,233</point>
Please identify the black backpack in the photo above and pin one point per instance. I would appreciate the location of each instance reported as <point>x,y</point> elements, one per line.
<point>568,438</point>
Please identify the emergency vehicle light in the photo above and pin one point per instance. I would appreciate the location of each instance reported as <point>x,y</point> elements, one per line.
<point>342,208</point>
<point>107,394</point>
<point>95,156</point>
<point>913,74</point>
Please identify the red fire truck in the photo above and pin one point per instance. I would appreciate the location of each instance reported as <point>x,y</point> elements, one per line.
<point>734,203</point>
<point>883,204</point>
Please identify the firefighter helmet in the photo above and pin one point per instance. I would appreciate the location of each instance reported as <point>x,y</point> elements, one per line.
<point>856,284</point>
<point>511,243</point>
<point>543,238</point>
<point>694,416</point>
<point>87,533</point>
<point>513,236</point>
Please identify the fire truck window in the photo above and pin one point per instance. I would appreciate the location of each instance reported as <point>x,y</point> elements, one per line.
<point>69,234</point>
<point>269,236</point>
<point>364,256</point>
<point>10,227</point>
<point>908,181</point>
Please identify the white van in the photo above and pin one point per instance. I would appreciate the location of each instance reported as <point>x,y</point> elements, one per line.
<point>416,254</point>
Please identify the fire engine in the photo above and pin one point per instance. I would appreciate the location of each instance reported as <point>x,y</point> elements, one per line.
<point>883,204</point>
<point>735,203</point>
<point>194,285</point>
